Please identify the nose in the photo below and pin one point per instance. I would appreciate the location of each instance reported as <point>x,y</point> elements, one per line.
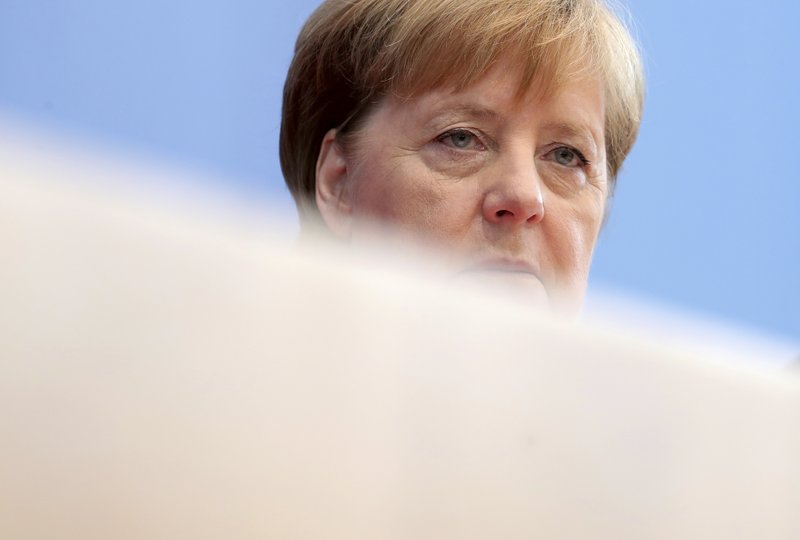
<point>515,196</point>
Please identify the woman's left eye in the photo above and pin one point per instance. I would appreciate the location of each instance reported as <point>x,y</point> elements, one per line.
<point>568,157</point>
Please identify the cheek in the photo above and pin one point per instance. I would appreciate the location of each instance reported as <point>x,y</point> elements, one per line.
<point>571,235</point>
<point>406,194</point>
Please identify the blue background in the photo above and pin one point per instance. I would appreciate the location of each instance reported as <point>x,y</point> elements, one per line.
<point>705,217</point>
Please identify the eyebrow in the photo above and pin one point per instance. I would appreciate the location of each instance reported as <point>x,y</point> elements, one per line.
<point>461,110</point>
<point>473,110</point>
<point>563,129</point>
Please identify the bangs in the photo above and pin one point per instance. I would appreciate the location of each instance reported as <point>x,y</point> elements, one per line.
<point>453,43</point>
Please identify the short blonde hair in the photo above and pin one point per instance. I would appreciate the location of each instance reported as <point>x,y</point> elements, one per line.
<point>352,53</point>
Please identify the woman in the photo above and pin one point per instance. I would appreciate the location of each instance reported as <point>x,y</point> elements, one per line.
<point>492,128</point>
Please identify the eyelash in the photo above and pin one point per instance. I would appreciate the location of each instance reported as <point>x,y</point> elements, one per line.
<point>477,140</point>
<point>461,131</point>
<point>581,158</point>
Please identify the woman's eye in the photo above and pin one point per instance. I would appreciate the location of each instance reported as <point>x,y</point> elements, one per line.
<point>461,139</point>
<point>564,156</point>
<point>568,157</point>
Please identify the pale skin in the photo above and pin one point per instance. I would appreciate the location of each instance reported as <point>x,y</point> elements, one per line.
<point>512,188</point>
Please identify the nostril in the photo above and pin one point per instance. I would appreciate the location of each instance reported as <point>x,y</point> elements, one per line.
<point>501,213</point>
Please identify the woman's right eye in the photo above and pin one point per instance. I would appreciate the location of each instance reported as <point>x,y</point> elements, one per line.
<point>461,139</point>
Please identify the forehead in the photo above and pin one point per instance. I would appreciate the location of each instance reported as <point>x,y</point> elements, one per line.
<point>575,104</point>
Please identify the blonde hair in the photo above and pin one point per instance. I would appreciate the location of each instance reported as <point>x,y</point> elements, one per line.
<point>351,53</point>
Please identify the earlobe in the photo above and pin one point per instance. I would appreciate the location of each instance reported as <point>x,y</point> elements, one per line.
<point>331,186</point>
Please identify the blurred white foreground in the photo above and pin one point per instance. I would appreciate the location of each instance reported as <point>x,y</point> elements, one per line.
<point>171,372</point>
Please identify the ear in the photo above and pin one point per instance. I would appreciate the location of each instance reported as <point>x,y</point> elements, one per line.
<point>331,187</point>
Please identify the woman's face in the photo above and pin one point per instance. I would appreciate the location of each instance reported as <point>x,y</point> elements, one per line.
<point>512,188</point>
